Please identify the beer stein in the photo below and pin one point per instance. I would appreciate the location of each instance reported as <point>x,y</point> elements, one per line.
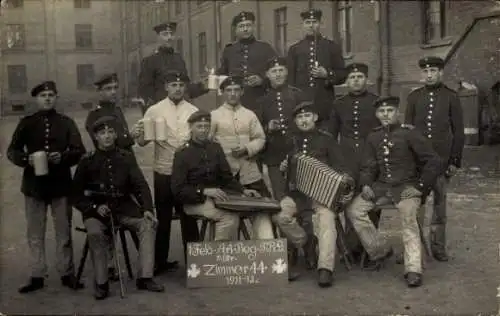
<point>40,163</point>
<point>160,129</point>
<point>149,129</point>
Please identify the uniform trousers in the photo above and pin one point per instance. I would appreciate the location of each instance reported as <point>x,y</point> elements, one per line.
<point>324,228</point>
<point>99,239</point>
<point>374,243</point>
<point>36,218</point>
<point>165,203</point>
<point>438,222</point>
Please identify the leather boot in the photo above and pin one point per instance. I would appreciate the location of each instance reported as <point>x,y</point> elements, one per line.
<point>113,275</point>
<point>71,282</point>
<point>33,285</point>
<point>310,254</point>
<point>101,291</point>
<point>325,278</point>
<point>413,279</point>
<point>149,284</point>
<point>293,272</point>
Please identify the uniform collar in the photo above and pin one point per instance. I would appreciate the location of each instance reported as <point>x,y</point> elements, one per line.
<point>198,144</point>
<point>434,87</point>
<point>313,37</point>
<point>362,94</point>
<point>165,50</point>
<point>232,108</point>
<point>106,153</point>
<point>391,127</point>
<point>106,104</point>
<point>46,112</point>
<point>247,41</point>
<point>307,133</point>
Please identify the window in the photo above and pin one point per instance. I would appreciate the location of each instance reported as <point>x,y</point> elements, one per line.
<point>433,20</point>
<point>345,26</point>
<point>180,46</point>
<point>280,27</point>
<point>83,35</point>
<point>202,50</point>
<point>178,7</point>
<point>15,36</point>
<point>82,4</point>
<point>199,2</point>
<point>85,76</point>
<point>18,81</point>
<point>11,4</point>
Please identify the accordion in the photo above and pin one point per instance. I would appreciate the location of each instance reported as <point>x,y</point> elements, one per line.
<point>319,182</point>
<point>238,203</point>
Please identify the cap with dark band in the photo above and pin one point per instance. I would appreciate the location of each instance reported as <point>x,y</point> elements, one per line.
<point>44,86</point>
<point>106,79</point>
<point>387,101</point>
<point>231,80</point>
<point>315,14</point>
<point>276,61</point>
<point>304,107</point>
<point>357,67</point>
<point>175,76</point>
<point>199,116</point>
<point>431,61</point>
<point>165,26</point>
<point>242,17</point>
<point>102,122</point>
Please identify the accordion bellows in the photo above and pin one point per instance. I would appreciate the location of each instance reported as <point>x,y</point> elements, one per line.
<point>319,182</point>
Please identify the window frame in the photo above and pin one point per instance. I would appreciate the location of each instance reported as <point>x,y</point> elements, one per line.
<point>15,87</point>
<point>428,24</point>
<point>88,83</point>
<point>345,26</point>
<point>280,29</point>
<point>17,28</point>
<point>79,39</point>
<point>79,4</point>
<point>202,51</point>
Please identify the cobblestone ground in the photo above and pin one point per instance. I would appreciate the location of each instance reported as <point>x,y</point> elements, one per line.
<point>465,285</point>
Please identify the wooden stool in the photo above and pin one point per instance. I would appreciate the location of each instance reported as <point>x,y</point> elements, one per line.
<point>342,246</point>
<point>210,225</point>
<point>121,231</point>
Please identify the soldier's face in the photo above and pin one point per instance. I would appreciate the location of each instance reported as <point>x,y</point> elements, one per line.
<point>432,75</point>
<point>387,114</point>
<point>105,137</point>
<point>277,75</point>
<point>200,130</point>
<point>233,94</point>
<point>166,37</point>
<point>311,26</point>
<point>46,100</point>
<point>306,121</point>
<point>356,81</point>
<point>175,90</point>
<point>244,29</point>
<point>109,91</point>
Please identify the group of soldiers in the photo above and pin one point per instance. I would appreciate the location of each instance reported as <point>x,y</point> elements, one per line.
<point>274,107</point>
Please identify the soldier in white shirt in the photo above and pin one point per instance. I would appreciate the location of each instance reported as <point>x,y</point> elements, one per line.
<point>239,132</point>
<point>175,111</point>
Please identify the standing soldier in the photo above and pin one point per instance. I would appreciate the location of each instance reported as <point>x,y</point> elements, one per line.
<point>247,58</point>
<point>154,68</point>
<point>435,111</point>
<point>107,86</point>
<point>315,65</point>
<point>352,119</point>
<point>56,136</point>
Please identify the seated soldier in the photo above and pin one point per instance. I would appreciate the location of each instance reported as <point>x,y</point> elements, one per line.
<point>113,170</point>
<point>201,173</point>
<point>399,166</point>
<point>311,141</point>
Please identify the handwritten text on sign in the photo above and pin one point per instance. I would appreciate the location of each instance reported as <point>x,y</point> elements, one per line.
<point>235,263</point>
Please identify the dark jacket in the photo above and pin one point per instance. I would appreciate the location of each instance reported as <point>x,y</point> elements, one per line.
<point>52,132</point>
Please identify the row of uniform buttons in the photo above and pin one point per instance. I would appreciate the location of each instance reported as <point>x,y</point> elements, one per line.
<point>312,63</point>
<point>47,132</point>
<point>429,117</point>
<point>110,173</point>
<point>386,156</point>
<point>304,146</point>
<point>280,110</point>
<point>245,56</point>
<point>355,117</point>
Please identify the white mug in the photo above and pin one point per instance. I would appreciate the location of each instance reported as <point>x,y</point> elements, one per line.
<point>149,129</point>
<point>160,129</point>
<point>40,163</point>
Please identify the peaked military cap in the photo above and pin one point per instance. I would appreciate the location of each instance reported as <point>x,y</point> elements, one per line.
<point>315,14</point>
<point>303,107</point>
<point>276,61</point>
<point>44,86</point>
<point>102,122</point>
<point>231,80</point>
<point>175,76</point>
<point>385,101</point>
<point>105,79</point>
<point>357,67</point>
<point>431,61</point>
<point>165,26</point>
<point>243,16</point>
<point>199,116</point>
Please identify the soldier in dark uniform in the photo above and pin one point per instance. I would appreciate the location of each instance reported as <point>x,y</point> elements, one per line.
<point>399,166</point>
<point>247,58</point>
<point>57,135</point>
<point>155,67</point>
<point>351,120</point>
<point>435,111</point>
<point>108,170</point>
<point>315,65</point>
<point>107,86</point>
<point>316,143</point>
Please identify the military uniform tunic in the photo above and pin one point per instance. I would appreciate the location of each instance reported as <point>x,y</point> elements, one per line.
<point>124,140</point>
<point>302,57</point>
<point>52,132</point>
<point>245,58</point>
<point>352,119</point>
<point>436,112</point>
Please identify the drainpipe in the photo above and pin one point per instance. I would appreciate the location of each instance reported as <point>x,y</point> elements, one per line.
<point>388,55</point>
<point>190,36</point>
<point>257,13</point>
<point>310,4</point>
<point>380,75</point>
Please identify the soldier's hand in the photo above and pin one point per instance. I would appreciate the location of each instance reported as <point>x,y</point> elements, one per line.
<point>319,72</point>
<point>103,210</point>
<point>54,157</point>
<point>251,193</point>
<point>254,80</point>
<point>239,152</point>
<point>284,165</point>
<point>138,129</point>
<point>273,125</point>
<point>367,193</point>
<point>30,160</point>
<point>215,193</point>
<point>150,216</point>
<point>451,171</point>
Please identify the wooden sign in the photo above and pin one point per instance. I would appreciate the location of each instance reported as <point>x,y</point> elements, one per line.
<point>237,263</point>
